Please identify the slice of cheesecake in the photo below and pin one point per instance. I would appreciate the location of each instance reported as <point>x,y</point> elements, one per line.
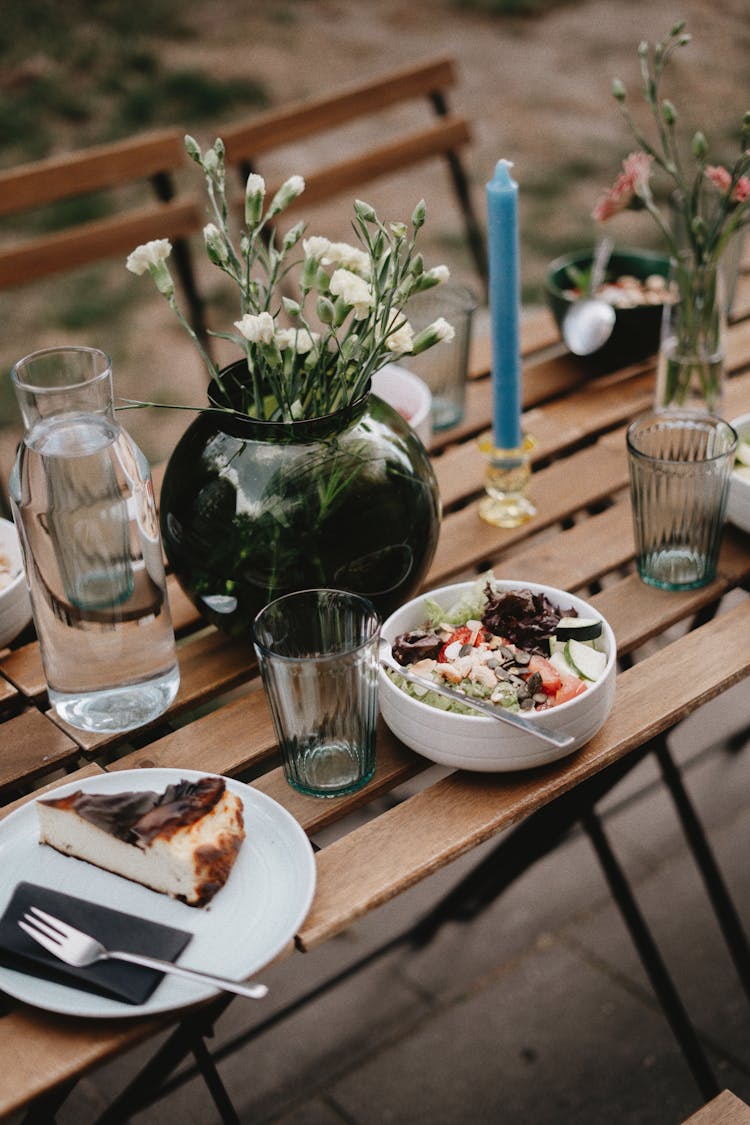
<point>182,842</point>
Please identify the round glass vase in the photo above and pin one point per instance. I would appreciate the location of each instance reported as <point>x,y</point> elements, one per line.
<point>252,510</point>
<point>690,373</point>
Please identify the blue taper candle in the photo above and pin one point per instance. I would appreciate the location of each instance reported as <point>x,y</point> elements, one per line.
<point>504,306</point>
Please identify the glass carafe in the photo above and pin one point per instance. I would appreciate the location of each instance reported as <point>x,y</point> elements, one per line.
<point>84,507</point>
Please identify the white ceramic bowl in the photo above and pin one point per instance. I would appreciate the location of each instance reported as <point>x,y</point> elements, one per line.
<point>15,607</point>
<point>484,744</point>
<point>409,395</point>
<point>738,500</point>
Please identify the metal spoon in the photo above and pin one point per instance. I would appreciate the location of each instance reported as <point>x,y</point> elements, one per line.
<point>588,323</point>
<point>499,713</point>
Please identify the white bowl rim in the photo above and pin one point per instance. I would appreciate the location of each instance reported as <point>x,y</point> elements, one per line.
<point>401,374</point>
<point>544,717</point>
<point>8,537</point>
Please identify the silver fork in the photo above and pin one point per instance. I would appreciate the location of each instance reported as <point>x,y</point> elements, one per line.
<point>80,949</point>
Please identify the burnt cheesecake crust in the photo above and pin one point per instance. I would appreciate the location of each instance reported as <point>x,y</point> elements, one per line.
<point>182,842</point>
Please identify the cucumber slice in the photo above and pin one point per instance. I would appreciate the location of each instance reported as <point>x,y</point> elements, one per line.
<point>578,628</point>
<point>742,456</point>
<point>560,662</point>
<point>588,662</point>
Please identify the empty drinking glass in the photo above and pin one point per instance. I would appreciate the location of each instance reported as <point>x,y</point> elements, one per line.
<point>680,465</point>
<point>318,654</point>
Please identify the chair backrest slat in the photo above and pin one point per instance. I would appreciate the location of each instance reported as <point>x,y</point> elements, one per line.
<point>247,142</point>
<point>153,157</point>
<point>302,120</point>
<point>95,241</point>
<point>94,169</point>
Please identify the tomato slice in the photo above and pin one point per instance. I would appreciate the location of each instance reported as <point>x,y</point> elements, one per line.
<point>551,680</point>
<point>571,687</point>
<point>464,635</point>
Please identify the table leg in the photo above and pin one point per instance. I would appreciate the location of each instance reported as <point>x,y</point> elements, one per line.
<point>651,959</point>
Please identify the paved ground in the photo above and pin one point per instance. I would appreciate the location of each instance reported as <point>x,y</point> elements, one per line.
<point>536,1011</point>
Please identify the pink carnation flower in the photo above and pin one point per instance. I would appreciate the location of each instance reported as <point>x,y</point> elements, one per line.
<point>722,179</point>
<point>741,191</point>
<point>719,177</point>
<point>632,182</point>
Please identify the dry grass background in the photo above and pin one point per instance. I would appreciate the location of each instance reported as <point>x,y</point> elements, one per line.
<point>536,89</point>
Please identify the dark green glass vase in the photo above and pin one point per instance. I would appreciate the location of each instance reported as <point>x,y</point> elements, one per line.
<point>252,510</point>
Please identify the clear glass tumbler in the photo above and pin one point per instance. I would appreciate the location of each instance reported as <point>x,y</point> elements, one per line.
<point>444,368</point>
<point>318,654</point>
<point>680,465</point>
<point>84,507</point>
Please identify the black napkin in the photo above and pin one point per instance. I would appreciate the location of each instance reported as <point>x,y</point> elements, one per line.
<point>117,980</point>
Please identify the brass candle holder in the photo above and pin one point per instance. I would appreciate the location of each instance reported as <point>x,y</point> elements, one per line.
<point>506,482</point>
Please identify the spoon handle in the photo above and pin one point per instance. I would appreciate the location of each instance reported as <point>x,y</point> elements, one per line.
<point>500,713</point>
<point>602,254</point>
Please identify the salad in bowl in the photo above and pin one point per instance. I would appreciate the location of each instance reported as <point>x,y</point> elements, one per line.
<point>521,646</point>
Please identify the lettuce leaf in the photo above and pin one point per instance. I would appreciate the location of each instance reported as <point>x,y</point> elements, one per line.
<point>469,607</point>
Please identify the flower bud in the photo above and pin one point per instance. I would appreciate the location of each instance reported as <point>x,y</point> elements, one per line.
<point>618,90</point>
<point>215,245</point>
<point>211,162</point>
<point>398,230</point>
<point>293,235</point>
<point>324,309</point>
<point>308,274</point>
<point>698,230</point>
<point>677,28</point>
<point>292,308</point>
<point>255,191</point>
<point>364,211</point>
<point>192,148</point>
<point>668,112</point>
<point>699,146</point>
<point>287,193</point>
<point>351,347</point>
<point>419,215</point>
<point>439,330</point>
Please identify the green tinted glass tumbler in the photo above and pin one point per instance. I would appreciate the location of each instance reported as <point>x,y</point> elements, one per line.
<point>680,465</point>
<point>318,654</point>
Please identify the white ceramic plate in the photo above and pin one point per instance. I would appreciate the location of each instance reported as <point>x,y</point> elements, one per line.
<point>250,920</point>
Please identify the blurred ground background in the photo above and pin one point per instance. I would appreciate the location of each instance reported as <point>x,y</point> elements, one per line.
<point>535,80</point>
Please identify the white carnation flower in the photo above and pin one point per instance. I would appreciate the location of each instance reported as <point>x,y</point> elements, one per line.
<point>440,273</point>
<point>400,342</point>
<point>443,330</point>
<point>298,338</point>
<point>257,329</point>
<point>315,246</point>
<point>152,253</point>
<point>348,257</point>
<point>353,291</point>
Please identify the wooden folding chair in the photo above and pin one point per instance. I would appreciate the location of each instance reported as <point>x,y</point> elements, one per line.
<point>247,142</point>
<point>153,157</point>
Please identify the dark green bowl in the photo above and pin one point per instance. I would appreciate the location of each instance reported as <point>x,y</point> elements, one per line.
<point>637,331</point>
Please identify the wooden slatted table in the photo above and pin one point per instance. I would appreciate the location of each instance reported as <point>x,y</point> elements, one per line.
<point>581,540</point>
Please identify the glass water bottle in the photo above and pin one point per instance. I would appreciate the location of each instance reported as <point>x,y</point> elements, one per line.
<point>84,507</point>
